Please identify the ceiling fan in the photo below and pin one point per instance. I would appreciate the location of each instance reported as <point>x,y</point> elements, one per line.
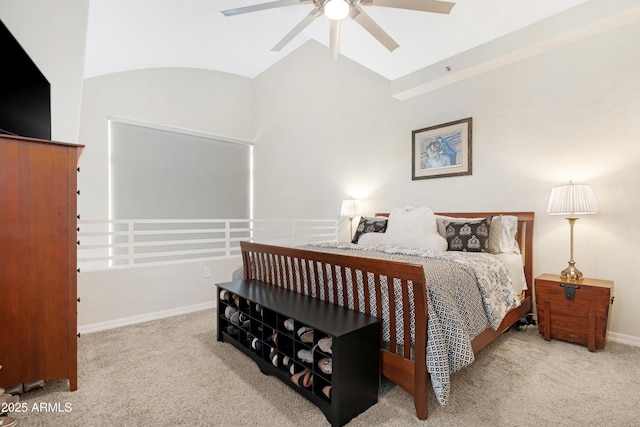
<point>336,10</point>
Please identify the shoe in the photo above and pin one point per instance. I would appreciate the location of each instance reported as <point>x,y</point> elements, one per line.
<point>326,390</point>
<point>294,368</point>
<point>307,381</point>
<point>232,330</point>
<point>305,356</point>
<point>235,318</point>
<point>325,365</point>
<point>325,344</point>
<point>303,379</point>
<point>288,324</point>
<point>306,334</point>
<point>274,357</point>
<point>8,422</point>
<point>224,295</point>
<point>229,311</point>
<point>256,344</point>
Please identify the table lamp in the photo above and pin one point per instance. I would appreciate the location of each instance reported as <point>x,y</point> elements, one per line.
<point>351,208</point>
<point>572,199</point>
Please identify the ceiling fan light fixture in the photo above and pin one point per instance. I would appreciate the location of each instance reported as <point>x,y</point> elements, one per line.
<point>336,9</point>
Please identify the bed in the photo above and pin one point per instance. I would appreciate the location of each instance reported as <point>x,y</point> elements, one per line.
<point>403,286</point>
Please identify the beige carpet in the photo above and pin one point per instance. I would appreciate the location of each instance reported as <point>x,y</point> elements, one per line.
<point>173,372</point>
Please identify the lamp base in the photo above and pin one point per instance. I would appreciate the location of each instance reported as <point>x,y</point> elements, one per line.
<point>571,272</point>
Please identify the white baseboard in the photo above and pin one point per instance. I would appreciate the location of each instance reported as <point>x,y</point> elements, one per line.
<point>624,339</point>
<point>95,327</point>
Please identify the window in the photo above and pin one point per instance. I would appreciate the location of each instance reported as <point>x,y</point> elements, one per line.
<point>168,187</point>
<point>166,174</point>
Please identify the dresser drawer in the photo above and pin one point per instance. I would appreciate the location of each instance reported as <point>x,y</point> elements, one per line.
<point>573,311</point>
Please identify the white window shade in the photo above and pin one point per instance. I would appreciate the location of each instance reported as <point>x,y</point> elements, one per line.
<point>162,174</point>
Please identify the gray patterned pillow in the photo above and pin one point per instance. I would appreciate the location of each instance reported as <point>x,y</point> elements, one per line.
<point>370,225</point>
<point>472,236</point>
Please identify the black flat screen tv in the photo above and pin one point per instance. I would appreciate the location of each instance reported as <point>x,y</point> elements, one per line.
<point>25,93</point>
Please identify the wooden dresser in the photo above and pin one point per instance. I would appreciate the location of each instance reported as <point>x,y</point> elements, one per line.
<point>38,288</point>
<point>576,311</point>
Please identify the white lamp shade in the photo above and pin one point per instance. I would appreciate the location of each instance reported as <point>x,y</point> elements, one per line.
<point>573,199</point>
<point>336,9</point>
<point>351,208</point>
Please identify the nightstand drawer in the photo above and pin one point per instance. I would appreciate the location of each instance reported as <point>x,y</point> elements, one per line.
<point>573,311</point>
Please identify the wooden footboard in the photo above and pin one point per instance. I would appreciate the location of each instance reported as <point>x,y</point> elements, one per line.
<point>340,279</point>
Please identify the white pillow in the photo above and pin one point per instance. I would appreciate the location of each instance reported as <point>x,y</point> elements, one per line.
<point>373,239</point>
<point>434,242</point>
<point>409,226</point>
<point>508,233</point>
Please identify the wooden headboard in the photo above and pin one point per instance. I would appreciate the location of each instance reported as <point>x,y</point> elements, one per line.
<point>525,237</point>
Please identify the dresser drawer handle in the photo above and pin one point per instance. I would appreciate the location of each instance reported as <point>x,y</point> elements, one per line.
<point>569,290</point>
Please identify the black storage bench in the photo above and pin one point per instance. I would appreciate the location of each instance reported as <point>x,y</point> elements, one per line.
<point>339,370</point>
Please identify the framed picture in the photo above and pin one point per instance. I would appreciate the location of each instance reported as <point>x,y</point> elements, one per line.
<point>441,150</point>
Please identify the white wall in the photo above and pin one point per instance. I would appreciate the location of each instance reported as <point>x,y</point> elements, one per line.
<point>125,296</point>
<point>566,114</point>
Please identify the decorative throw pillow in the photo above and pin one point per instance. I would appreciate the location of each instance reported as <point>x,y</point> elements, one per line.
<point>370,225</point>
<point>502,235</point>
<point>493,244</point>
<point>472,236</point>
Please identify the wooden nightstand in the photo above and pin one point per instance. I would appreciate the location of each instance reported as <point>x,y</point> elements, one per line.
<point>576,311</point>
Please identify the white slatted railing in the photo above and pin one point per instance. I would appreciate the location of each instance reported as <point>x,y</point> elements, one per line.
<point>105,244</point>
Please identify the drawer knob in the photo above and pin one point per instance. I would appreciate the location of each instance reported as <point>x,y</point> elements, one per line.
<point>569,290</point>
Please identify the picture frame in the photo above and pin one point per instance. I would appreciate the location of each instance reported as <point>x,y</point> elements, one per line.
<point>442,150</point>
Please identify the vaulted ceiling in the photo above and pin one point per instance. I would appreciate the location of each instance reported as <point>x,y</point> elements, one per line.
<point>137,34</point>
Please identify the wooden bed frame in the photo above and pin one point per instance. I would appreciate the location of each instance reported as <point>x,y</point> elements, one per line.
<point>277,265</point>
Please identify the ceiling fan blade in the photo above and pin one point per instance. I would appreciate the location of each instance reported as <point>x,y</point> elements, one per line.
<point>334,38</point>
<point>374,29</point>
<point>421,5</point>
<point>298,29</point>
<point>263,6</point>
